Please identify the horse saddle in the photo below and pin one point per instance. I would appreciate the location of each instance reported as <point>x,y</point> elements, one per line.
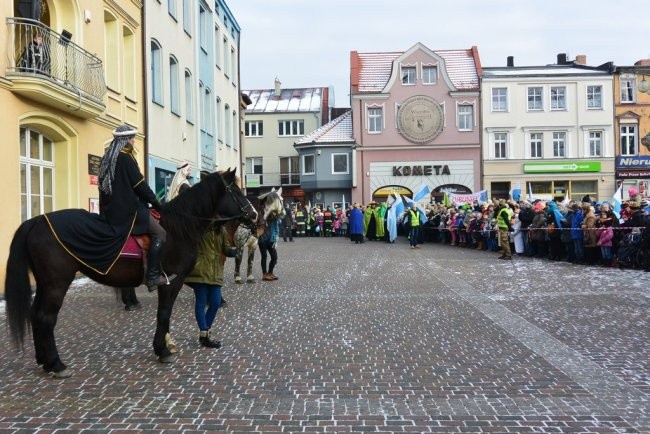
<point>135,246</point>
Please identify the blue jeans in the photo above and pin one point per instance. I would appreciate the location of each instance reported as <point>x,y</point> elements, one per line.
<point>207,301</point>
<point>415,234</point>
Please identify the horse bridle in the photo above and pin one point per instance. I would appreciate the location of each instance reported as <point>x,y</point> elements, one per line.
<point>244,209</point>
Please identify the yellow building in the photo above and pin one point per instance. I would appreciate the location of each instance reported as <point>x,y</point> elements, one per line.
<point>70,73</point>
<point>632,111</point>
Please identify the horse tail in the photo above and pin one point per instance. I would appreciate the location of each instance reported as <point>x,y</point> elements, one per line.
<point>18,290</point>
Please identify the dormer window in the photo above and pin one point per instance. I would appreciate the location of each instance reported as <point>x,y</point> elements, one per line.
<point>429,75</point>
<point>408,74</point>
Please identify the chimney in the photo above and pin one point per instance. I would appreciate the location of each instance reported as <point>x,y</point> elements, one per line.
<point>581,59</point>
<point>561,59</point>
<point>511,61</point>
<point>278,90</point>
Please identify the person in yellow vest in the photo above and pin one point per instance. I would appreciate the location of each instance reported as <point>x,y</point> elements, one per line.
<point>504,223</point>
<point>328,218</point>
<point>414,224</point>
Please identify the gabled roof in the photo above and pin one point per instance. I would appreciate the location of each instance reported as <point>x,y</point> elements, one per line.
<point>337,131</point>
<point>290,100</point>
<point>370,72</point>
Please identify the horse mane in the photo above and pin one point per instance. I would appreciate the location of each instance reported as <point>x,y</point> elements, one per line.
<point>190,213</point>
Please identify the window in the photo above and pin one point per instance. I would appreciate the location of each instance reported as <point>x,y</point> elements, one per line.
<point>187,16</point>
<point>375,120</point>
<point>465,117</point>
<point>500,145</point>
<point>254,171</point>
<point>233,65</point>
<point>408,74</point>
<point>499,99</point>
<point>628,140</point>
<point>206,116</point>
<point>111,51</point>
<point>535,98</point>
<point>226,58</point>
<point>536,141</point>
<point>595,143</point>
<point>203,29</point>
<point>217,48</point>
<point>156,73</point>
<point>559,144</point>
<point>429,74</point>
<point>289,170</point>
<point>627,90</point>
<point>189,100</point>
<point>219,124</point>
<point>235,131</point>
<point>36,174</point>
<point>594,97</point>
<point>558,98</point>
<point>253,128</point>
<point>308,164</point>
<point>340,164</point>
<point>171,7</point>
<point>291,128</point>
<point>174,90</point>
<point>226,129</point>
<point>129,62</point>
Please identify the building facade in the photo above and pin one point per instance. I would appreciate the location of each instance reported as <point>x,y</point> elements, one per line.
<point>325,157</point>
<point>415,122</point>
<point>193,88</point>
<point>632,128</point>
<point>274,120</point>
<point>69,75</point>
<point>548,130</point>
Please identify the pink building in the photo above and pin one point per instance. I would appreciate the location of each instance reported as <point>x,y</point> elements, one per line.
<point>415,122</point>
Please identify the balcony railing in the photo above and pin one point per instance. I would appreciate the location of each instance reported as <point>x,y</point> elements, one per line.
<point>37,51</point>
<point>272,179</point>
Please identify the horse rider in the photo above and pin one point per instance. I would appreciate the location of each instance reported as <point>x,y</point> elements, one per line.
<point>180,183</point>
<point>123,196</point>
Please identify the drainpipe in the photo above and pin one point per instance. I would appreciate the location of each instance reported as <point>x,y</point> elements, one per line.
<point>143,17</point>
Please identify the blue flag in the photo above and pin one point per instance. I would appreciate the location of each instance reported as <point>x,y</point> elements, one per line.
<point>424,191</point>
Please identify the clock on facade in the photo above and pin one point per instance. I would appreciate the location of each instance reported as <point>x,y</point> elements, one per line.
<point>420,119</point>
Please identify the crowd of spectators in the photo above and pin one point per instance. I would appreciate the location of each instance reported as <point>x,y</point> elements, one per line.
<point>582,232</point>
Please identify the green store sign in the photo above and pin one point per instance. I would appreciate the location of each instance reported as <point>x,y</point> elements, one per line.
<point>576,166</point>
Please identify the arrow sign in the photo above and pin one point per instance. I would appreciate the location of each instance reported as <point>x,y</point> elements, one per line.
<point>580,166</point>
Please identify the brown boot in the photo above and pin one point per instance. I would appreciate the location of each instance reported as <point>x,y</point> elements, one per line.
<point>267,276</point>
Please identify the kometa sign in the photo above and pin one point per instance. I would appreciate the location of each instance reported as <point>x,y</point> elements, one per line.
<point>425,170</point>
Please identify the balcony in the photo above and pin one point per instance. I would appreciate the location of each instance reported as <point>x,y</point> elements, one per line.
<point>48,67</point>
<point>272,179</point>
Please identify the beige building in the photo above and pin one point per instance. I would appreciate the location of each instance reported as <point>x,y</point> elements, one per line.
<point>70,73</point>
<point>548,129</point>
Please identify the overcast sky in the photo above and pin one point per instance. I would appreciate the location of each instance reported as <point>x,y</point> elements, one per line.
<point>307,43</point>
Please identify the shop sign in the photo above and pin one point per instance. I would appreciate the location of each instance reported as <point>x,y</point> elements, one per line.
<point>252,181</point>
<point>577,166</point>
<point>640,162</point>
<point>630,174</point>
<point>425,170</point>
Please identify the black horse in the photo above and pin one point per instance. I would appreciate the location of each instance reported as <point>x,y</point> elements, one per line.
<point>34,246</point>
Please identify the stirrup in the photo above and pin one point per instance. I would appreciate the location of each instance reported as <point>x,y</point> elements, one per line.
<point>153,285</point>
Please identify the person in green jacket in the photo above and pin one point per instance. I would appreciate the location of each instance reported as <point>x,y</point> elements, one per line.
<point>206,279</point>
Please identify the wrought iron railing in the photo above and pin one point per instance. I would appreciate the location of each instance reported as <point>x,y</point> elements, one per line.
<point>37,50</point>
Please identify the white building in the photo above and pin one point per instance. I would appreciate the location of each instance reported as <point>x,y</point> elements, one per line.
<point>548,129</point>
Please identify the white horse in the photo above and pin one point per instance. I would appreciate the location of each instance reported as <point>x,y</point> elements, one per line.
<point>246,236</point>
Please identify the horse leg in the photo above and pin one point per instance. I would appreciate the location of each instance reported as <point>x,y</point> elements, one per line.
<point>166,296</point>
<point>251,258</point>
<point>238,259</point>
<point>44,315</point>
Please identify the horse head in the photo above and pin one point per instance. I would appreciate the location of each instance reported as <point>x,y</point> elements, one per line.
<point>235,205</point>
<point>273,204</point>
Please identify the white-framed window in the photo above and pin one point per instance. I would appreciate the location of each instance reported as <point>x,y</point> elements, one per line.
<point>36,174</point>
<point>558,98</point>
<point>308,164</point>
<point>595,143</point>
<point>535,98</point>
<point>129,62</point>
<point>218,121</point>
<point>291,128</point>
<point>254,166</point>
<point>559,144</point>
<point>217,48</point>
<point>235,131</point>
<point>536,145</point>
<point>628,139</point>
<point>499,99</point>
<point>408,74</point>
<point>340,164</point>
<point>594,97</point>
<point>206,115</point>
<point>429,74</point>
<point>189,97</point>
<point>465,117</point>
<point>171,8</point>
<point>203,29</point>
<point>226,58</point>
<point>233,64</point>
<point>187,16</point>
<point>156,73</point>
<point>226,128</point>
<point>500,145</point>
<point>628,91</point>
<point>375,119</point>
<point>254,128</point>
<point>174,86</point>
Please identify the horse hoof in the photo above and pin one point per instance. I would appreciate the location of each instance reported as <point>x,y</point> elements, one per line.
<point>66,373</point>
<point>167,359</point>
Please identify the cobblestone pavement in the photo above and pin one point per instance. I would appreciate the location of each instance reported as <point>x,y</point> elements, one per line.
<point>357,338</point>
